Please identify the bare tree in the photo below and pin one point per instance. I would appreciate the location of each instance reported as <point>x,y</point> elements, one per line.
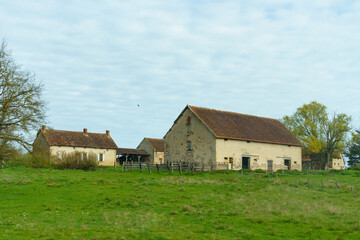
<point>22,108</point>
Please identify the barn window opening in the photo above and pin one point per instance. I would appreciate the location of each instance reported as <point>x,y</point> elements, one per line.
<point>188,120</point>
<point>101,157</point>
<point>188,145</point>
<point>59,155</point>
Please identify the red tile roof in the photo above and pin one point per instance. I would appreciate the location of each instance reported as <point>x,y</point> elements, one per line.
<point>78,139</point>
<point>230,125</point>
<point>156,144</point>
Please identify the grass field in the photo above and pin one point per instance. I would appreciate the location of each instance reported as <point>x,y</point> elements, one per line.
<point>103,204</point>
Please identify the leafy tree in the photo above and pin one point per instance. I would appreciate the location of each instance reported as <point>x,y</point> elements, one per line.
<point>21,106</point>
<point>353,151</point>
<point>320,133</point>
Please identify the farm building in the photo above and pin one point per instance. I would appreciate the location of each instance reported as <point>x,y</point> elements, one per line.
<point>155,148</point>
<point>130,154</point>
<point>314,162</point>
<point>234,140</point>
<point>58,143</point>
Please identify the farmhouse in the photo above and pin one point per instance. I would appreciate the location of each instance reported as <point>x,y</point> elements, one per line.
<point>155,148</point>
<point>234,140</point>
<point>58,143</point>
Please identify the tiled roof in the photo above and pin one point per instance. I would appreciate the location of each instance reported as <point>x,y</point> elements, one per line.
<point>156,144</point>
<point>78,139</point>
<point>121,151</point>
<point>230,125</point>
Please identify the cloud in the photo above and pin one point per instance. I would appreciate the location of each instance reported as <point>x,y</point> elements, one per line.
<point>98,60</point>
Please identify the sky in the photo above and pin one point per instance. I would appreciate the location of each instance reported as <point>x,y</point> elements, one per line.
<point>132,66</point>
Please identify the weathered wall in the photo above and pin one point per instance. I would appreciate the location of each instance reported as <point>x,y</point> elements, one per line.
<point>40,146</point>
<point>159,157</point>
<point>202,141</point>
<point>338,163</point>
<point>259,153</point>
<point>109,154</point>
<point>144,145</point>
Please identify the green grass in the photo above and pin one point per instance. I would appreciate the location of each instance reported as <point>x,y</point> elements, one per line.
<point>103,204</point>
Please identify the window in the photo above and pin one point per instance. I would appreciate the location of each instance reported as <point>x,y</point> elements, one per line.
<point>188,145</point>
<point>59,155</point>
<point>188,120</point>
<point>101,157</point>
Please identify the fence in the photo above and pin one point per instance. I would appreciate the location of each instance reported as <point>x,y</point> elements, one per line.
<point>170,167</point>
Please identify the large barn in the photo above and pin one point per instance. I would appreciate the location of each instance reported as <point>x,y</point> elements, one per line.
<point>237,140</point>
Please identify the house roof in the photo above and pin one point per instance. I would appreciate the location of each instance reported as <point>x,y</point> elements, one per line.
<point>156,144</point>
<point>121,151</point>
<point>78,139</point>
<point>237,126</point>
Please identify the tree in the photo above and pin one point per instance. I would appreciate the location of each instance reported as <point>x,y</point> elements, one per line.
<point>321,135</point>
<point>22,108</point>
<point>353,151</point>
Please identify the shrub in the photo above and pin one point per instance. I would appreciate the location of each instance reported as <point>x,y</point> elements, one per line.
<point>76,160</point>
<point>28,160</point>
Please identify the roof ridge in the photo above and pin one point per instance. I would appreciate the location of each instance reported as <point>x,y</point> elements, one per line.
<point>243,114</point>
<point>73,131</point>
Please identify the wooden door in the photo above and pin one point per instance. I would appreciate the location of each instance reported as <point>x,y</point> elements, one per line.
<point>270,165</point>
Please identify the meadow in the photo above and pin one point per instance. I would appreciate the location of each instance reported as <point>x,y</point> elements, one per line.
<point>104,204</point>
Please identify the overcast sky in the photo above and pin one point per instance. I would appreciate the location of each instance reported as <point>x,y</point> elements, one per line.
<point>99,60</point>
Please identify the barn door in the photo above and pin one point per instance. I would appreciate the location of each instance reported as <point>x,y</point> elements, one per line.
<point>270,165</point>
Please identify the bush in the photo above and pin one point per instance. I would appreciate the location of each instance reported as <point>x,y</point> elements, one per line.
<point>76,160</point>
<point>28,160</point>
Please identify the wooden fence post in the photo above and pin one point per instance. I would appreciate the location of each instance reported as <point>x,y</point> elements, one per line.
<point>149,167</point>
<point>132,165</point>
<point>336,186</point>
<point>180,170</point>
<point>158,169</point>
<point>188,166</point>
<point>168,166</point>
<point>140,167</point>
<point>227,167</point>
<point>115,166</point>
<point>123,167</point>
<point>202,168</point>
<point>172,167</point>
<point>193,168</point>
<point>211,167</point>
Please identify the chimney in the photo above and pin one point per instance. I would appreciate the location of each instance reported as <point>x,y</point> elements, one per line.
<point>108,133</point>
<point>43,127</point>
<point>85,131</point>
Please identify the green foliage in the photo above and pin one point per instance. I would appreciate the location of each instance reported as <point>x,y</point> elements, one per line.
<point>76,160</point>
<point>72,204</point>
<point>320,133</point>
<point>353,151</point>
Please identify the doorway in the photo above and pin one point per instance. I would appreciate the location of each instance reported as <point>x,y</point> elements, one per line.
<point>287,163</point>
<point>245,163</point>
<point>270,165</point>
